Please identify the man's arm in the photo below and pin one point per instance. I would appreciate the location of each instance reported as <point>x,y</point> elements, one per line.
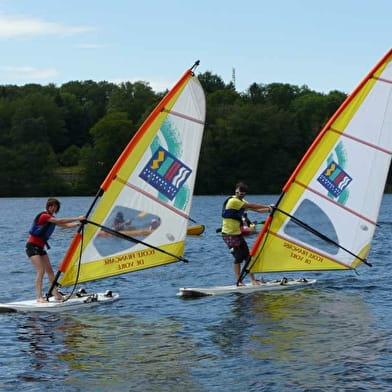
<point>257,207</point>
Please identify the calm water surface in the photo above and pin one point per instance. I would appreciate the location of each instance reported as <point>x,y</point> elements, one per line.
<point>335,336</point>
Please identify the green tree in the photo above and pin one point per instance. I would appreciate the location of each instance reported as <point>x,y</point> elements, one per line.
<point>211,176</point>
<point>7,109</point>
<point>110,136</point>
<point>70,157</point>
<point>211,82</point>
<point>312,111</point>
<point>28,170</point>
<point>136,99</point>
<point>38,118</point>
<point>259,135</point>
<point>83,104</point>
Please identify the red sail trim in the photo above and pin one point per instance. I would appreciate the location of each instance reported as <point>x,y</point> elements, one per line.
<point>384,80</point>
<point>334,117</point>
<point>145,126</point>
<point>335,203</point>
<point>374,146</point>
<point>178,114</point>
<point>128,184</point>
<point>261,235</point>
<point>70,252</point>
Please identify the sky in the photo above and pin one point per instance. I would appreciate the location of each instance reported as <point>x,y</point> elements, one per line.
<point>325,45</point>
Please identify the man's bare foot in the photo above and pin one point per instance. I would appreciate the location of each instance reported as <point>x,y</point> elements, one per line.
<point>42,300</point>
<point>241,284</point>
<point>256,283</point>
<point>59,297</point>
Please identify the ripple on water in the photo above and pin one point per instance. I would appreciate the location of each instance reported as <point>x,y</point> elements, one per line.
<point>334,336</point>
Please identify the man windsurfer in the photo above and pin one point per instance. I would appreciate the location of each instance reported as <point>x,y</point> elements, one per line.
<point>232,212</point>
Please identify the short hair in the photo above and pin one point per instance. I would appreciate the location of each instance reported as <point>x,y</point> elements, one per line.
<point>53,202</point>
<point>242,187</point>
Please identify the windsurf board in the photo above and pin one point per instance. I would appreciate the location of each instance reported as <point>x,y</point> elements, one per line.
<point>77,301</point>
<point>272,285</point>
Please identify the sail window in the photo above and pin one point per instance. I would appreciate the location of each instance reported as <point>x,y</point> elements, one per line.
<point>128,221</point>
<point>312,217</point>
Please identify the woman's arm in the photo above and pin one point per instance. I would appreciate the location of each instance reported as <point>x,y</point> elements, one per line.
<point>66,222</point>
<point>68,225</point>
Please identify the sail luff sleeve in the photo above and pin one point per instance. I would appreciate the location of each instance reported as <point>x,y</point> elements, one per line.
<point>70,252</point>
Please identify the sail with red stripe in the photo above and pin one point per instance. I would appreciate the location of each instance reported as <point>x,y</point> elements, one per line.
<point>140,215</point>
<point>327,213</point>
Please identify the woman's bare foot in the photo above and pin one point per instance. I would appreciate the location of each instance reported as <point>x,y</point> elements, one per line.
<point>42,300</point>
<point>241,284</point>
<point>256,282</point>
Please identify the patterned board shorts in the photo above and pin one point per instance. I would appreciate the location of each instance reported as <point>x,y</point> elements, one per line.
<point>238,247</point>
<point>34,250</point>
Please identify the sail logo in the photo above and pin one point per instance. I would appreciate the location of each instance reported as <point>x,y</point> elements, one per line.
<point>334,179</point>
<point>165,173</point>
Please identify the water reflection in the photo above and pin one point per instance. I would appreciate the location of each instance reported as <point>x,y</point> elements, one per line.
<point>299,332</point>
<point>103,353</point>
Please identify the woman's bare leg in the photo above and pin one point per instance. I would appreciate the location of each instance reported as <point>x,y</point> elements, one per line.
<point>50,273</point>
<point>39,264</point>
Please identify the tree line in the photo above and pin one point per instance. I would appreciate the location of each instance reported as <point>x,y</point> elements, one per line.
<point>63,140</point>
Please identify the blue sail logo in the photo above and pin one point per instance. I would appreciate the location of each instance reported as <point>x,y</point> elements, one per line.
<point>334,179</point>
<point>165,173</point>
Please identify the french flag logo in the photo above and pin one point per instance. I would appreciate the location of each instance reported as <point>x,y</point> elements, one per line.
<point>165,173</point>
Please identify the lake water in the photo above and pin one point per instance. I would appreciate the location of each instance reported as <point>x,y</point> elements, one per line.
<point>335,336</point>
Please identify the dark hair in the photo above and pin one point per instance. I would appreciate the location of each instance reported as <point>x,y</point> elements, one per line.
<point>242,187</point>
<point>53,202</point>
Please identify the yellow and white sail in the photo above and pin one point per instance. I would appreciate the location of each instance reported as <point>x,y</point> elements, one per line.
<point>146,196</point>
<point>326,216</point>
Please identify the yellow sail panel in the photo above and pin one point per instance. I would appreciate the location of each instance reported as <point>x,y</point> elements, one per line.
<point>362,254</point>
<point>145,200</point>
<point>281,254</point>
<point>121,264</point>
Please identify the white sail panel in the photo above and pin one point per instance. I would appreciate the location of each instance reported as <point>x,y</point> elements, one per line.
<point>326,216</point>
<point>149,189</point>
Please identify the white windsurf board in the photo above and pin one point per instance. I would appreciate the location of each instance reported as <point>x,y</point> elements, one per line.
<point>272,285</point>
<point>75,302</point>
